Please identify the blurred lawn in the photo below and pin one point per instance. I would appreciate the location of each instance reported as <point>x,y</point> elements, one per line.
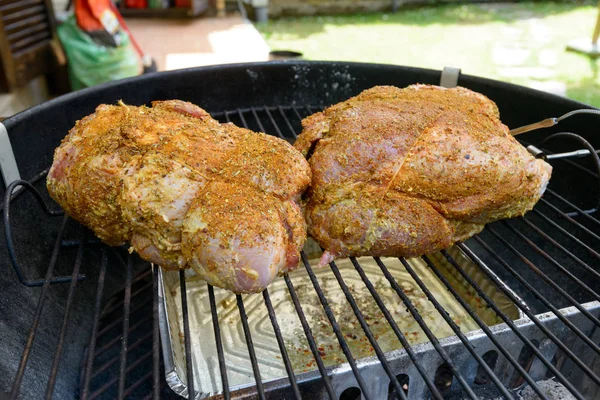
<point>523,43</point>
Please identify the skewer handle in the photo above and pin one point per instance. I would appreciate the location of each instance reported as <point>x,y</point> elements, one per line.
<point>548,122</point>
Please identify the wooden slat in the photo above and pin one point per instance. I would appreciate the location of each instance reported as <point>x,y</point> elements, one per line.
<point>28,31</point>
<point>26,55</point>
<point>18,4</point>
<point>29,46</point>
<point>25,22</point>
<point>30,41</point>
<point>7,81</point>
<point>23,14</point>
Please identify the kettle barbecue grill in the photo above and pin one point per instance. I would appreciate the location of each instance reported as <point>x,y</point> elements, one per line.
<point>82,320</point>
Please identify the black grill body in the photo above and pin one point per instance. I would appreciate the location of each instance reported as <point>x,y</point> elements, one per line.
<point>241,93</point>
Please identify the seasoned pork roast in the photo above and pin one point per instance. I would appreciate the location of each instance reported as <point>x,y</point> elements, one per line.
<point>404,172</point>
<point>185,191</point>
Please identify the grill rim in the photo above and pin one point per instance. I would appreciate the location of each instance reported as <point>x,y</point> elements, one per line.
<point>67,101</point>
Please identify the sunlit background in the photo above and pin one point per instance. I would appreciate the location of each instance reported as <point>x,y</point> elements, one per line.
<point>77,46</point>
<point>523,43</point>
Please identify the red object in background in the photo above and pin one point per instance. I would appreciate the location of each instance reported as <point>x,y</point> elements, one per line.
<point>136,3</point>
<point>89,14</point>
<point>183,3</point>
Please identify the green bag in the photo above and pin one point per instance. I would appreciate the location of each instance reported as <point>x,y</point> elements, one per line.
<point>91,63</point>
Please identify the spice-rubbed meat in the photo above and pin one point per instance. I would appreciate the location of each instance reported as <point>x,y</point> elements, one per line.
<point>404,172</point>
<point>185,191</point>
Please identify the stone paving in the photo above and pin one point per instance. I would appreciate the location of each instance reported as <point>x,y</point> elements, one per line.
<point>176,44</point>
<point>512,57</point>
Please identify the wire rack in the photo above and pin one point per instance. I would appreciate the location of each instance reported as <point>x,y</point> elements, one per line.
<point>549,259</point>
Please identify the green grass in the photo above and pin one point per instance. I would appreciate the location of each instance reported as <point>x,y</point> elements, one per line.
<point>523,43</point>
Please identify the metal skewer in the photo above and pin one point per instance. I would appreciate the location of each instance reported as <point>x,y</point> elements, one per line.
<point>548,122</point>
<point>536,152</point>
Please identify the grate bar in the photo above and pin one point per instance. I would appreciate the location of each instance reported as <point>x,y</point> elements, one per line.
<point>38,311</point>
<point>562,248</point>
<point>137,383</point>
<point>117,338</point>
<point>135,280</point>
<point>482,324</point>
<point>287,122</point>
<point>241,115</point>
<point>365,327</point>
<point>335,327</point>
<point>446,316</point>
<point>92,346</point>
<point>147,286</point>
<point>251,353</point>
<point>559,315</point>
<point>309,337</point>
<point>568,234</point>
<point>107,364</point>
<point>63,328</point>
<point>125,336</point>
<point>546,279</point>
<point>308,111</point>
<point>258,121</point>
<point>550,155</point>
<point>77,242</point>
<point>150,396</point>
<point>142,275</point>
<point>510,323</point>
<point>573,206</point>
<point>434,390</point>
<point>218,342</point>
<point>570,219</point>
<point>554,262</point>
<point>156,378</point>
<point>114,323</point>
<point>298,114</point>
<point>281,344</point>
<point>279,133</point>
<point>187,337</point>
<point>219,114</point>
<point>120,259</point>
<point>594,157</point>
<point>434,341</point>
<point>112,381</point>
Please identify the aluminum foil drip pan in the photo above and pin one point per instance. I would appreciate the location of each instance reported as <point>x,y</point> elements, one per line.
<point>207,379</point>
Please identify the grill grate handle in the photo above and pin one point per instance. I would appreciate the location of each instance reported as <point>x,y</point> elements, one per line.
<point>8,198</point>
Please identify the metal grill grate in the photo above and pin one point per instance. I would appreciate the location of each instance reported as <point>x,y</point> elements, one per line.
<point>541,254</point>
